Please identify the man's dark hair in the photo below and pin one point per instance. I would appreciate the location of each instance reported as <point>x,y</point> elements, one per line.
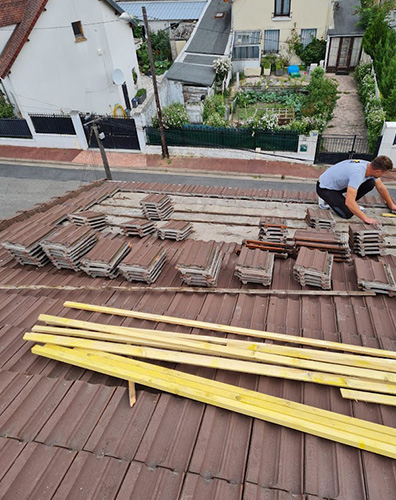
<point>383,163</point>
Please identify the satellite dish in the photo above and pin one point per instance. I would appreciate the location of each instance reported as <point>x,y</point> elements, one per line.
<point>118,76</point>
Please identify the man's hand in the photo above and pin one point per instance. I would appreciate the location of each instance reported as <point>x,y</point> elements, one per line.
<point>368,220</point>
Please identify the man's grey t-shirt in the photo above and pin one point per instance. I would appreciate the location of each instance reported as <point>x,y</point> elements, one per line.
<point>343,174</point>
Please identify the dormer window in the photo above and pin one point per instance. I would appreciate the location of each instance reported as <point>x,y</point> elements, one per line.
<point>78,31</point>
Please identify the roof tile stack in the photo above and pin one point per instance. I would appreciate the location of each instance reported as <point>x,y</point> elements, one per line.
<point>175,230</point>
<point>375,276</point>
<point>25,245</point>
<point>366,239</point>
<point>139,227</point>
<point>102,261</point>
<point>200,263</point>
<point>313,268</point>
<point>255,266</point>
<point>325,240</point>
<point>320,219</point>
<point>144,263</point>
<point>157,207</point>
<point>273,229</point>
<point>66,247</point>
<point>93,219</point>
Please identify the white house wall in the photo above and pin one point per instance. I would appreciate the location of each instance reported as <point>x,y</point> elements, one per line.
<point>55,74</point>
<point>5,33</point>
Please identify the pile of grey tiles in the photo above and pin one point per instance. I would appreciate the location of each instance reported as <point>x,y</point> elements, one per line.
<point>200,263</point>
<point>175,230</point>
<point>157,207</point>
<point>255,266</point>
<point>66,247</point>
<point>144,263</point>
<point>366,239</point>
<point>273,229</point>
<point>375,276</point>
<point>93,219</point>
<point>25,245</point>
<point>320,219</point>
<point>139,227</point>
<point>102,261</point>
<point>313,268</point>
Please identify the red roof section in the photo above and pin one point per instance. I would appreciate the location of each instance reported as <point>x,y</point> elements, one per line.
<point>25,14</point>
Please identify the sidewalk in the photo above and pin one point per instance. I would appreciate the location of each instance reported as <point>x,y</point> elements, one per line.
<point>176,164</point>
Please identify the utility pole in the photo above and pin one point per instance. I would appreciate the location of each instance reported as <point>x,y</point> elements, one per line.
<point>102,151</point>
<point>165,152</point>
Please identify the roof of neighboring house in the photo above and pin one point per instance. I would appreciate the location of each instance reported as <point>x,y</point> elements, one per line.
<point>66,426</point>
<point>23,13</point>
<point>194,74</point>
<point>346,19</point>
<point>210,37</point>
<point>212,34</point>
<point>164,10</point>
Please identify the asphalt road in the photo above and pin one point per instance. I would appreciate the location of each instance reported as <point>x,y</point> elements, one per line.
<point>22,187</point>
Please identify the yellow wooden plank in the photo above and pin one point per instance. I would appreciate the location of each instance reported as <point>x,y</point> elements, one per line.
<point>386,214</point>
<point>214,387</point>
<point>215,362</point>
<point>122,370</point>
<point>338,346</point>
<point>195,346</point>
<point>369,397</point>
<point>131,393</point>
<point>301,353</point>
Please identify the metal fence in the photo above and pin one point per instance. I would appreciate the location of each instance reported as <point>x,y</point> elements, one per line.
<point>53,124</point>
<point>334,148</point>
<point>15,128</point>
<point>233,138</point>
<point>119,133</point>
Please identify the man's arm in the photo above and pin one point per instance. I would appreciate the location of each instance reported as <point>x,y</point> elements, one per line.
<point>351,203</point>
<point>384,193</point>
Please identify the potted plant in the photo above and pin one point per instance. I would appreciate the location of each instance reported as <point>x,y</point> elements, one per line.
<point>141,95</point>
<point>279,67</point>
<point>267,67</point>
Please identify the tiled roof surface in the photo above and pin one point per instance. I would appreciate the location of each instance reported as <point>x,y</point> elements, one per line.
<point>164,10</point>
<point>63,428</point>
<point>26,14</point>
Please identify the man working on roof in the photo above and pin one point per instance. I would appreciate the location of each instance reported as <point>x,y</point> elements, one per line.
<point>346,182</point>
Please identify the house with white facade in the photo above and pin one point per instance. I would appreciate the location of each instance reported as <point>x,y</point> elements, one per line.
<point>66,56</point>
<point>265,27</point>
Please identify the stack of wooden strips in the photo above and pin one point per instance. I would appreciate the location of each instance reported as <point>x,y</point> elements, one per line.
<point>366,239</point>
<point>255,266</point>
<point>375,276</point>
<point>175,230</point>
<point>88,218</point>
<point>105,348</point>
<point>25,245</point>
<point>143,264</point>
<point>139,227</point>
<point>157,207</point>
<point>102,261</point>
<point>320,219</point>
<point>67,246</point>
<point>313,268</point>
<point>281,250</point>
<point>200,263</point>
<point>273,229</point>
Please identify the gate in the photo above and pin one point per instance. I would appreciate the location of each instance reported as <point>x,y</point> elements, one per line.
<point>334,148</point>
<point>120,133</point>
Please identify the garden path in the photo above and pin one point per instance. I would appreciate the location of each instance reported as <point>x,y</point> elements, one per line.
<point>348,116</point>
